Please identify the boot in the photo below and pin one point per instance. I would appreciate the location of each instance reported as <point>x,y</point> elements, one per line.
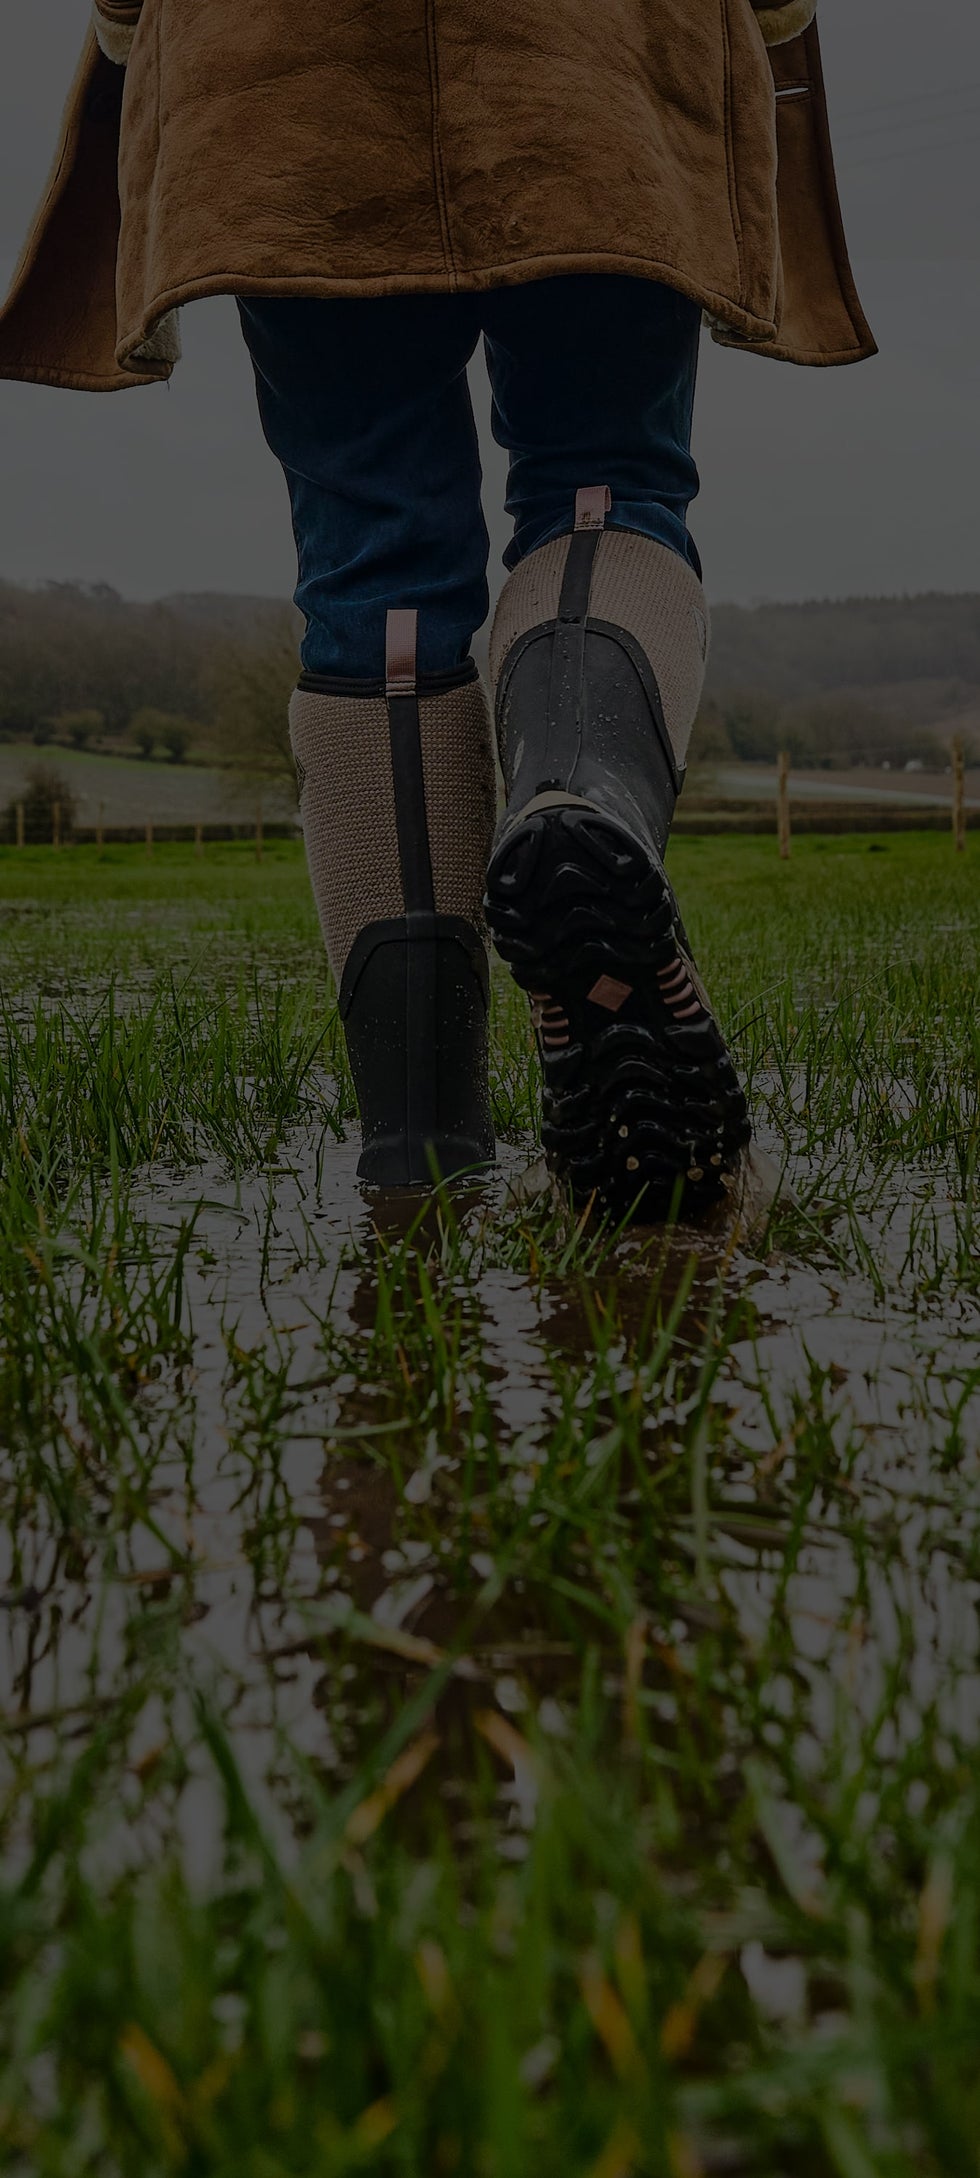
<point>397,797</point>
<point>597,659</point>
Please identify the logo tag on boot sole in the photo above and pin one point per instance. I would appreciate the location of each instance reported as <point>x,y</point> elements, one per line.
<point>610,994</point>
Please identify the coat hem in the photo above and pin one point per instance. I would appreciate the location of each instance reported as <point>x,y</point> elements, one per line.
<point>805,358</point>
<point>514,272</point>
<point>120,381</point>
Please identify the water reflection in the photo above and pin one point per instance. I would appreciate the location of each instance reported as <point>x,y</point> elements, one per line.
<point>341,1506</point>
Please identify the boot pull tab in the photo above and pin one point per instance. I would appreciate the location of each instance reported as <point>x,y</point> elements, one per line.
<point>592,504</point>
<point>407,770</point>
<point>401,649</point>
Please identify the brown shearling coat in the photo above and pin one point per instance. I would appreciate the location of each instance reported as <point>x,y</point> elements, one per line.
<point>309,147</point>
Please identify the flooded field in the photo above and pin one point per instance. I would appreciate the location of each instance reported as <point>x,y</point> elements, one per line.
<point>480,1693</point>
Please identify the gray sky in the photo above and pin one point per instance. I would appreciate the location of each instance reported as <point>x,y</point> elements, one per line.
<point>815,483</point>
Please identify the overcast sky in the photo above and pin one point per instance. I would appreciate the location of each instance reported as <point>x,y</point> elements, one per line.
<point>815,483</point>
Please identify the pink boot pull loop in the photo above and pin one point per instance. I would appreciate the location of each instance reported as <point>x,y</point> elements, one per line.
<point>592,504</point>
<point>401,643</point>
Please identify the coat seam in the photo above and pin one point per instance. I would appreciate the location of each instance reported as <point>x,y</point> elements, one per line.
<point>829,189</point>
<point>159,69</point>
<point>736,215</point>
<point>438,168</point>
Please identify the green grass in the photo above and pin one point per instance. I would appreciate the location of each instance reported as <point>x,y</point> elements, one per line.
<point>482,1694</point>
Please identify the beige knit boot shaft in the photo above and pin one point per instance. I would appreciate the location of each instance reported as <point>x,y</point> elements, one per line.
<point>638,585</point>
<point>342,748</point>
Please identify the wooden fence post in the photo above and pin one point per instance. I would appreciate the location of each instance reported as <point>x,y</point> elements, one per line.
<point>199,839</point>
<point>20,824</point>
<point>782,812</point>
<point>258,833</point>
<point>56,824</point>
<point>959,795</point>
<point>149,839</point>
<point>100,830</point>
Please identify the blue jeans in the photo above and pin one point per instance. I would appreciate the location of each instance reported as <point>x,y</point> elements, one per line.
<point>365,402</point>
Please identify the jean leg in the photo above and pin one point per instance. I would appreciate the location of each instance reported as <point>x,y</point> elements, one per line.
<point>593,379</point>
<point>365,402</point>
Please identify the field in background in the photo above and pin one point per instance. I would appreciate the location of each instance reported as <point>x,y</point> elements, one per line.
<point>482,1695</point>
<point>123,792</point>
<point>120,791</point>
<point>859,786</point>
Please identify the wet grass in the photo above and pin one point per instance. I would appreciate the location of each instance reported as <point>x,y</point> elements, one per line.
<point>481,1694</point>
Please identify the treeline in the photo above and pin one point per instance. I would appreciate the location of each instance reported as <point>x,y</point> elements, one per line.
<point>81,666</point>
<point>794,652</point>
<point>870,680</point>
<point>68,649</point>
<point>830,732</point>
<point>866,681</point>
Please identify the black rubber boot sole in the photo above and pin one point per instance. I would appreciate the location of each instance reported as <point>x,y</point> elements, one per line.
<point>641,1098</point>
<point>414,1002</point>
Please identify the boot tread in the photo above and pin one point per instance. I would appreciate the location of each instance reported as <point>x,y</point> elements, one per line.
<point>642,1094</point>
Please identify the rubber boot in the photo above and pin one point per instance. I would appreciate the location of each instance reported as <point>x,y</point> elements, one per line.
<point>597,659</point>
<point>397,797</point>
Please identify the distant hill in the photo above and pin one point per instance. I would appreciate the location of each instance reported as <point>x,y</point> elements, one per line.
<point>867,679</point>
<point>864,679</point>
<point>229,612</point>
<point>70,648</point>
<point>794,651</point>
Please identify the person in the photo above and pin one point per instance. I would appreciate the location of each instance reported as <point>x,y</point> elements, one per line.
<point>380,187</point>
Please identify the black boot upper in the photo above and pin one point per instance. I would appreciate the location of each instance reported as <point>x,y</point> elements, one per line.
<point>579,712</point>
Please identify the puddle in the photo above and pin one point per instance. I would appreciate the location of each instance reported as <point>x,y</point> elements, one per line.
<point>475,1443</point>
<point>329,1514</point>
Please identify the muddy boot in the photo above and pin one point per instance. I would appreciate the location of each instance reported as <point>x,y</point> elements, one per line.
<point>397,799</point>
<point>597,658</point>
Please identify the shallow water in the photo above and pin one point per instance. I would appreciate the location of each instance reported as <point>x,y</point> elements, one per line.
<point>293,1506</point>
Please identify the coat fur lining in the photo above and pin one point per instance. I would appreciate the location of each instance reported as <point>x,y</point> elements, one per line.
<point>777,24</point>
<point>116,39</point>
<point>162,342</point>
